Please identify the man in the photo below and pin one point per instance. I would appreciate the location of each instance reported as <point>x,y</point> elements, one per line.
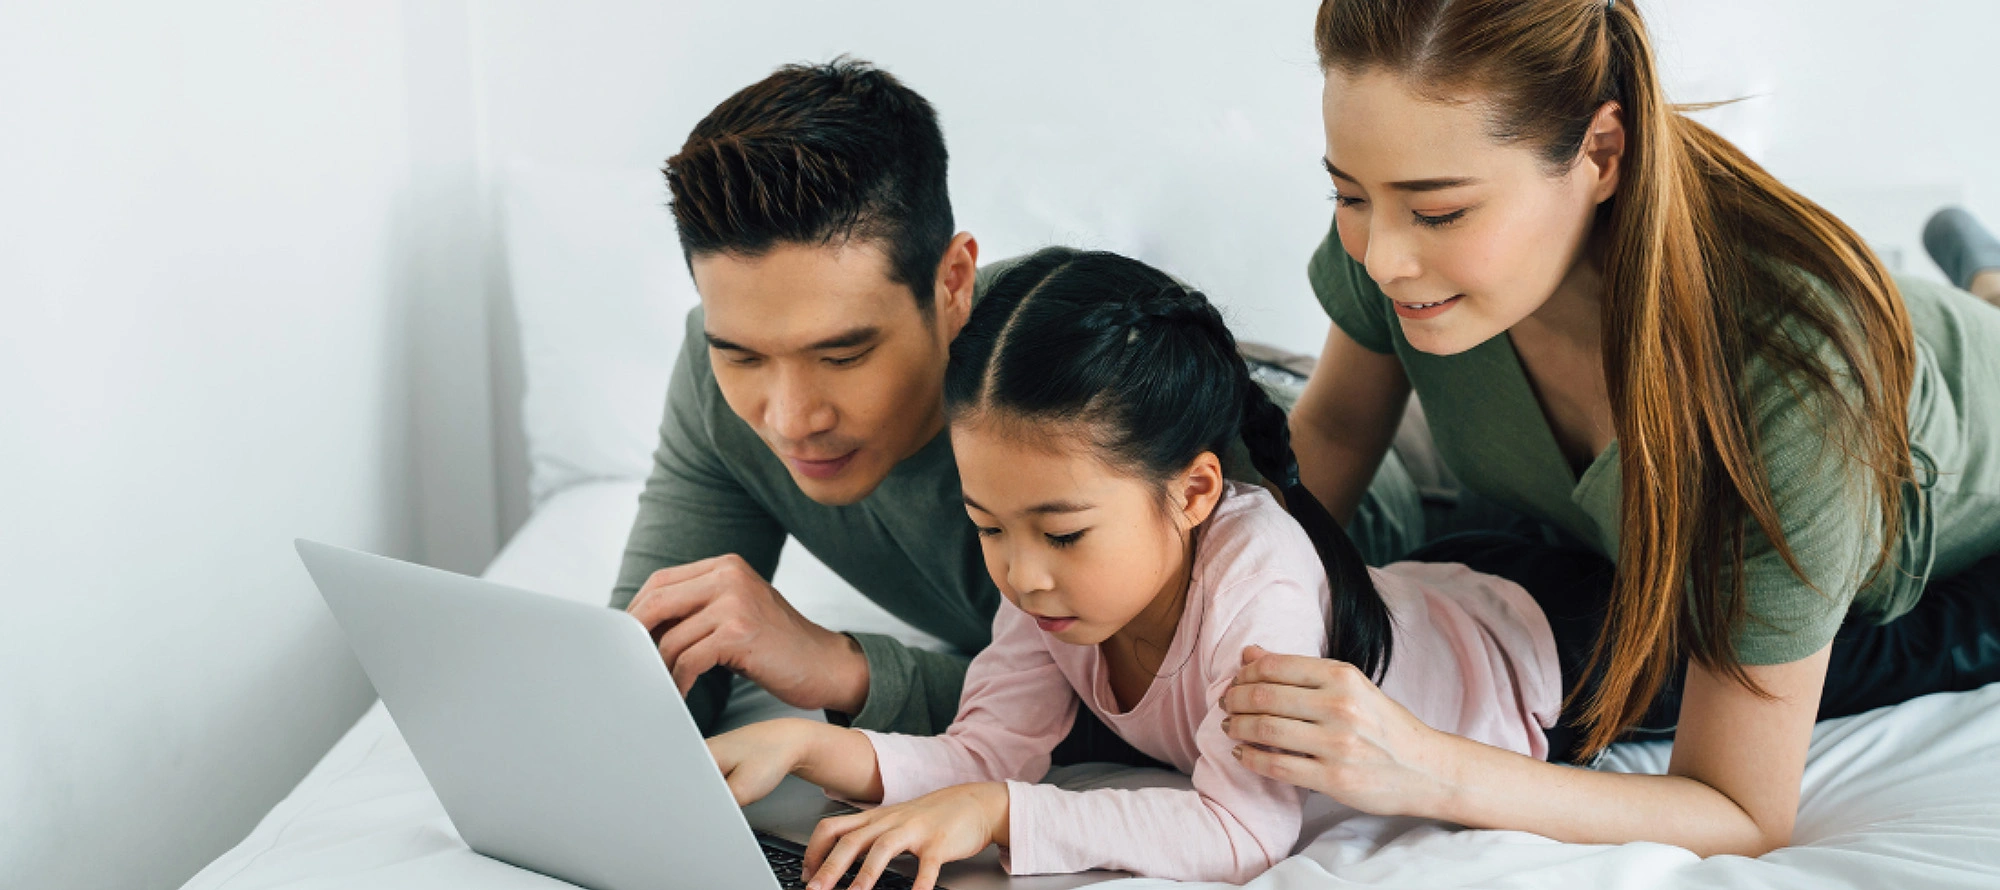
<point>808,402</point>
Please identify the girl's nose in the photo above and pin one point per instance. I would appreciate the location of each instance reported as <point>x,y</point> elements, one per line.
<point>1027,574</point>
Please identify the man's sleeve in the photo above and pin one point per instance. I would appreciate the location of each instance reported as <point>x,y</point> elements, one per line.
<point>910,691</point>
<point>693,507</point>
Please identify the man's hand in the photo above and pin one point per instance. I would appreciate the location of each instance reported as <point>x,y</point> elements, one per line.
<point>719,613</point>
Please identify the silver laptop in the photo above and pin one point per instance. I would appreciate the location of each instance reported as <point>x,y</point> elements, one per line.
<point>554,737</point>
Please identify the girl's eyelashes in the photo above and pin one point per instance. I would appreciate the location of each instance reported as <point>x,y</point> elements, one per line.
<point>1340,200</point>
<point>1056,541</point>
<point>1441,220</point>
<point>1061,541</point>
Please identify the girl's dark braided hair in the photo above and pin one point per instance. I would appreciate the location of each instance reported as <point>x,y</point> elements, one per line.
<point>1145,368</point>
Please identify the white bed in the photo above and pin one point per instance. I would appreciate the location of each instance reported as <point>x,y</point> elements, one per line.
<point>1903,797</point>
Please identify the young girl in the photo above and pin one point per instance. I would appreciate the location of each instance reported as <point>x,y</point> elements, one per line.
<point>1090,397</point>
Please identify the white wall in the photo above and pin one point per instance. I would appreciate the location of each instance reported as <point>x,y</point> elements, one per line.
<point>1880,111</point>
<point>203,353</point>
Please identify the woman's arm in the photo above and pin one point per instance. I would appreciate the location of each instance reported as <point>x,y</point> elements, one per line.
<point>1732,786</point>
<point>1345,420</point>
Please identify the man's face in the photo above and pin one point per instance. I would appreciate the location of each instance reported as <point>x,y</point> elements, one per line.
<point>829,360</point>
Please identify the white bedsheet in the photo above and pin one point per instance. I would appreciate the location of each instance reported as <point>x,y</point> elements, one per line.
<point>1902,797</point>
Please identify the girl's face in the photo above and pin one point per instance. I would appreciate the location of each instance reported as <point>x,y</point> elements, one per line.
<point>1083,549</point>
<point>1466,235</point>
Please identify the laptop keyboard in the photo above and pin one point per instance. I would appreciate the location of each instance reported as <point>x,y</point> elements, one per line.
<point>786,865</point>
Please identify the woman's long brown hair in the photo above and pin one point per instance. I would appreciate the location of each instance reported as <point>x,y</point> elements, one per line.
<point>1701,252</point>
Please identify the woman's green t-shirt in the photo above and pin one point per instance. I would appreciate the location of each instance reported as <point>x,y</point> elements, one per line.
<point>1491,431</point>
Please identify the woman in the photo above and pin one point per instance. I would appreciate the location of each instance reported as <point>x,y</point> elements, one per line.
<point>1622,327</point>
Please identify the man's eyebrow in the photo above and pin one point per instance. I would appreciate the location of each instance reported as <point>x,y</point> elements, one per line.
<point>848,340</point>
<point>1437,184</point>
<point>1052,507</point>
<point>844,340</point>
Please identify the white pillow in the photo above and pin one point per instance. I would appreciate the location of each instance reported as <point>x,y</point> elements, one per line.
<point>602,296</point>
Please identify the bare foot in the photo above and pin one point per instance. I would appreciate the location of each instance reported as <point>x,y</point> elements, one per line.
<point>1986,286</point>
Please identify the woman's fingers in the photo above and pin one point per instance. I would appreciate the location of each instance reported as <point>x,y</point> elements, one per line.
<point>1293,769</point>
<point>1272,732</point>
<point>1290,670</point>
<point>1274,698</point>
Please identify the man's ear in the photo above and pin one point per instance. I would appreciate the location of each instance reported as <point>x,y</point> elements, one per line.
<point>1604,145</point>
<point>1197,489</point>
<point>957,274</point>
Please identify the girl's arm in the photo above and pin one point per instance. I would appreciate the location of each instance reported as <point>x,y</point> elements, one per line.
<point>755,758</point>
<point>1732,786</point>
<point>1233,824</point>
<point>1016,707</point>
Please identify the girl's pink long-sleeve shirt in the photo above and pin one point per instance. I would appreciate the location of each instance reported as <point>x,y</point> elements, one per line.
<point>1473,656</point>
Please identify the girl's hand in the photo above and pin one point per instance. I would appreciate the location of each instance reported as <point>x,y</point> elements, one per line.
<point>1322,725</point>
<point>942,826</point>
<point>757,757</point>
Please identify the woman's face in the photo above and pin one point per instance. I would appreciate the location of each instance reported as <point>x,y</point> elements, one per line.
<point>1466,235</point>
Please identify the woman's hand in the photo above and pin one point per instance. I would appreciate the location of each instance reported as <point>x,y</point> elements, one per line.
<point>1322,725</point>
<point>942,826</point>
<point>757,757</point>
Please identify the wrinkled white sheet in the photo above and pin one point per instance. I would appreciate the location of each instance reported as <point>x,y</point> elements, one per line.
<point>1901,797</point>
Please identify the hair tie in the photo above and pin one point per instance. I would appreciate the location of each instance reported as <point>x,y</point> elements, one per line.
<point>1608,4</point>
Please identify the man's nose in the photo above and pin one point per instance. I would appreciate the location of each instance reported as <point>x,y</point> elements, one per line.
<point>797,410</point>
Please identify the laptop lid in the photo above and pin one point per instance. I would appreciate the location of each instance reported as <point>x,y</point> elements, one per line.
<point>551,731</point>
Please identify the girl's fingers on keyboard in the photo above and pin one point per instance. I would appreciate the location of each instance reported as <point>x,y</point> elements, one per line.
<point>855,839</point>
<point>823,837</point>
<point>927,873</point>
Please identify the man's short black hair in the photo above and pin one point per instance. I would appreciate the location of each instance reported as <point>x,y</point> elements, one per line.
<point>818,155</point>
